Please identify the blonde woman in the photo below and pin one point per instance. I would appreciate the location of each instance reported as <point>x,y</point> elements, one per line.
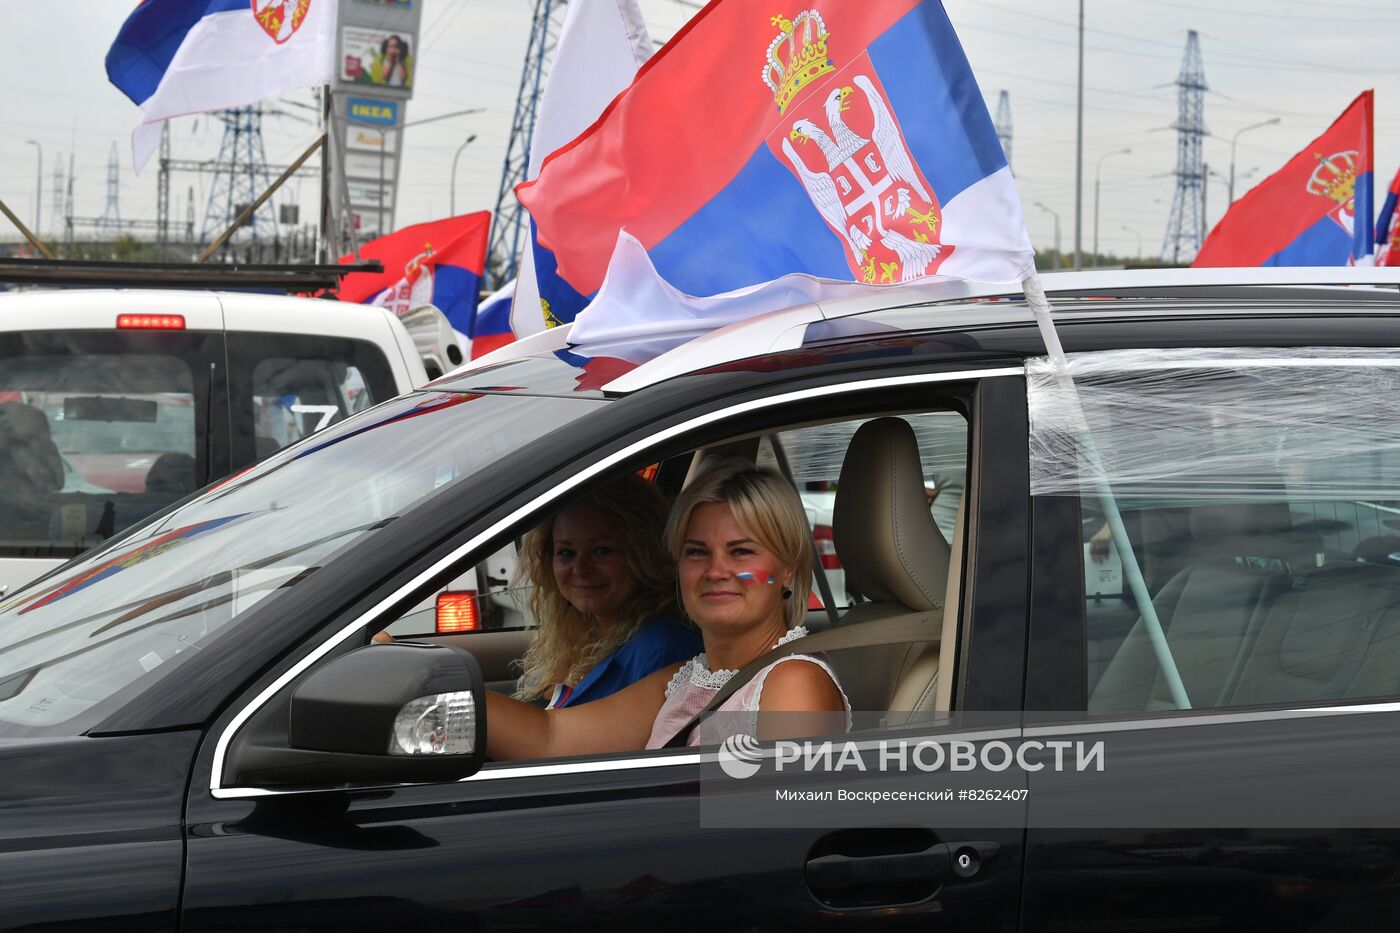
<point>739,539</point>
<point>604,591</point>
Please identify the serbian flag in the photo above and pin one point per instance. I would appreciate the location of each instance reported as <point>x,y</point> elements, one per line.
<point>759,159</point>
<point>1388,228</point>
<point>601,45</point>
<point>1315,211</point>
<point>439,263</point>
<point>174,57</point>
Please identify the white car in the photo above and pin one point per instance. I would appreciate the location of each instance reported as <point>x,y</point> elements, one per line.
<point>115,403</point>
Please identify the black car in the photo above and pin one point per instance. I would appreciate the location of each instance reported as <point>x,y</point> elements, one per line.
<point>196,732</point>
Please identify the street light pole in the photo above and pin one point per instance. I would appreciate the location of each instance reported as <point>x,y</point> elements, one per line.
<point>1098,165</point>
<point>399,129</point>
<point>1234,139</point>
<point>1138,253</point>
<point>1058,255</point>
<point>38,187</point>
<point>1079,154</point>
<point>453,187</point>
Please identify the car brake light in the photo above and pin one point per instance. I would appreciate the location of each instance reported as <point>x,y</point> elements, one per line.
<point>150,322</point>
<point>458,612</point>
<point>826,547</point>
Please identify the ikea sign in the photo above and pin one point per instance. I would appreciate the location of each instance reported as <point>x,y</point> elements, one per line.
<point>380,112</point>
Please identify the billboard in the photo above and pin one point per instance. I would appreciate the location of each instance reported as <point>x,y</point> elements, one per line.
<point>365,194</point>
<point>365,139</point>
<point>376,55</point>
<point>369,165</point>
<point>376,112</point>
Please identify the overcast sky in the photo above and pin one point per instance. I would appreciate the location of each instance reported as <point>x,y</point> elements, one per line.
<point>1299,60</point>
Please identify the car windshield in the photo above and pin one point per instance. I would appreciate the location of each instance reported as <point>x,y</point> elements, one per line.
<point>123,610</point>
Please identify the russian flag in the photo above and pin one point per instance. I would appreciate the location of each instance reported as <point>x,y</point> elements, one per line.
<point>1315,211</point>
<point>601,45</point>
<point>492,327</point>
<point>1388,228</point>
<point>846,144</point>
<point>438,263</point>
<point>176,57</point>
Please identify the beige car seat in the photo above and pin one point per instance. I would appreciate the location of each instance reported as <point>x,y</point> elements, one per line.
<point>894,556</point>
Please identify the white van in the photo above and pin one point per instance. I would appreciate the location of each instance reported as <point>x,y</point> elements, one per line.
<point>115,403</point>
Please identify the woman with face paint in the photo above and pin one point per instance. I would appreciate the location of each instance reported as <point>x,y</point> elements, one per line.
<point>604,591</point>
<point>740,540</point>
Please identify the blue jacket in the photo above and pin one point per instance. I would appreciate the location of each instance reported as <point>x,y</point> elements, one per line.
<point>655,644</point>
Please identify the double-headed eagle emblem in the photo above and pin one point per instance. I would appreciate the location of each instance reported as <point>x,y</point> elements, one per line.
<point>1334,178</point>
<point>867,189</point>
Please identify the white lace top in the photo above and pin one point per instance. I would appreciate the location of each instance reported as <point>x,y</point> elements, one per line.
<point>695,685</point>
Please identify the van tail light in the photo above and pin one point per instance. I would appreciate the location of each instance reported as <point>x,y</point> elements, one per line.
<point>458,612</point>
<point>826,547</point>
<point>150,322</point>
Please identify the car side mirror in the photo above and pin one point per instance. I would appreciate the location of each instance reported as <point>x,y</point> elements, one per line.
<point>383,714</point>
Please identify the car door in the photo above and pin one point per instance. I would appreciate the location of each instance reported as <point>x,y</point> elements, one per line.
<point>623,841</point>
<point>1263,535</point>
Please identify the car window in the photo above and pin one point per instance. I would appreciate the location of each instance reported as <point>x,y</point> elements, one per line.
<point>292,398</point>
<point>1260,492</point>
<point>287,386</point>
<point>100,430</point>
<point>815,454</point>
<point>494,597</point>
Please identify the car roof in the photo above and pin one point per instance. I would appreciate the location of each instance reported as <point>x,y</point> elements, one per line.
<point>1132,298</point>
<point>97,308</point>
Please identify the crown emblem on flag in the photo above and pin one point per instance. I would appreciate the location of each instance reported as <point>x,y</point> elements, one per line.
<point>1335,176</point>
<point>797,57</point>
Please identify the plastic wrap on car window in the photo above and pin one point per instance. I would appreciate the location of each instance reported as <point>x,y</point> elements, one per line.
<point>1212,424</point>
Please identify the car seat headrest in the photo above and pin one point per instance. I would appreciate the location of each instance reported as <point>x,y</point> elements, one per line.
<point>23,423</point>
<point>885,536</point>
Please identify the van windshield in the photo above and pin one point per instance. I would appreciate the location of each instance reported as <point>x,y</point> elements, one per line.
<point>131,606</point>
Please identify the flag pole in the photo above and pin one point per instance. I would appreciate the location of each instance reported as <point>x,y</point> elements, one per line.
<point>326,218</point>
<point>1040,307</point>
<point>28,234</point>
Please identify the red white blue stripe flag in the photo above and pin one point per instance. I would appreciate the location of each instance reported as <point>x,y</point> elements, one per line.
<point>175,57</point>
<point>1315,211</point>
<point>601,45</point>
<point>1388,228</point>
<point>773,153</point>
<point>438,263</point>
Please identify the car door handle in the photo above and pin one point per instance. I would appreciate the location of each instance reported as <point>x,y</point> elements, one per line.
<point>831,874</point>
